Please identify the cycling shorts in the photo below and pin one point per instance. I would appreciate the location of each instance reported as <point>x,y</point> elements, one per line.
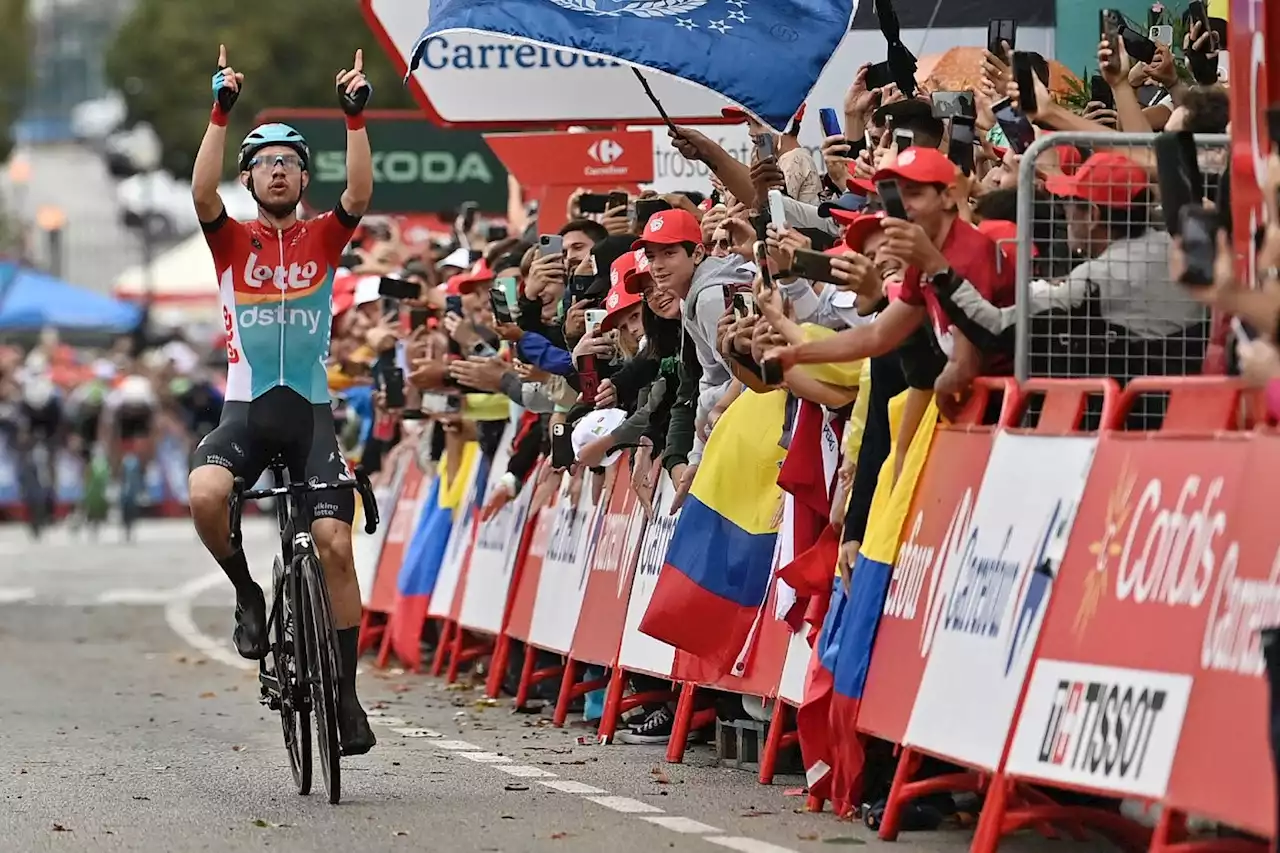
<point>281,423</point>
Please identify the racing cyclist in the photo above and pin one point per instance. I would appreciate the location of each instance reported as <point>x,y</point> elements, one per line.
<point>275,276</point>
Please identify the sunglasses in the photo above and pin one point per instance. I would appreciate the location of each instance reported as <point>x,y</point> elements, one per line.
<point>288,162</point>
<point>722,243</point>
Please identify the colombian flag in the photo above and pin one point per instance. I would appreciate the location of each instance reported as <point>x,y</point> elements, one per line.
<point>424,555</point>
<point>720,560</point>
<point>855,619</point>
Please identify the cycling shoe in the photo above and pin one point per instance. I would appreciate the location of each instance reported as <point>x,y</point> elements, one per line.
<point>354,732</point>
<point>251,625</point>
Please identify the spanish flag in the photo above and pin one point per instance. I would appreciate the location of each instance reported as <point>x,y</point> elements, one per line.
<point>720,560</point>
<point>855,618</point>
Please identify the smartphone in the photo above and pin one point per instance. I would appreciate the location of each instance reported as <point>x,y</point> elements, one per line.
<point>1017,130</point>
<point>1110,23</point>
<point>960,149</point>
<point>647,207</point>
<point>815,266</point>
<point>511,290</point>
<point>904,139</point>
<point>879,75</point>
<point>1138,46</point>
<point>350,260</point>
<point>771,371</point>
<point>562,455</point>
<point>579,285</point>
<point>766,147</point>
<point>1197,13</point>
<point>1162,33</point>
<point>762,261</point>
<point>550,244</point>
<point>453,305</point>
<point>949,105</point>
<point>830,122</point>
<point>744,304</point>
<point>1001,30</point>
<point>467,215</point>
<point>1026,80</point>
<point>495,232</point>
<point>1199,232</point>
<point>617,199</point>
<point>891,198</point>
<point>398,288</point>
<point>453,404</point>
<point>392,381</point>
<point>593,203</point>
<point>1273,126</point>
<point>1178,172</point>
<point>594,317</point>
<point>777,213</point>
<point>498,303</point>
<point>1100,91</point>
<point>418,317</point>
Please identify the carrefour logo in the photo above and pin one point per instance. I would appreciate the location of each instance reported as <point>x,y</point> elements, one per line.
<point>605,151</point>
<point>280,315</point>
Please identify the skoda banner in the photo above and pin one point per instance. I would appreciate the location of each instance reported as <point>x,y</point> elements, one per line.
<point>417,167</point>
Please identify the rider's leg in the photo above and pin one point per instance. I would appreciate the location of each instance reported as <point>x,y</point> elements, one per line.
<point>215,464</point>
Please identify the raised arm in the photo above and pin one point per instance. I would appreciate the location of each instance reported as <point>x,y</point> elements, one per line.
<point>354,91</point>
<point>207,173</point>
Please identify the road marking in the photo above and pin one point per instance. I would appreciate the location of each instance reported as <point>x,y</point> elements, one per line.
<point>675,823</point>
<point>134,596</point>
<point>12,595</point>
<point>486,757</point>
<point>177,612</point>
<point>390,721</point>
<point>569,786</point>
<point>749,845</point>
<point>456,746</point>
<point>524,771</point>
<point>410,732</point>
<point>626,805</point>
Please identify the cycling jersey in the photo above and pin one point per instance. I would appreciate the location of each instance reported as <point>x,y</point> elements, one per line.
<point>276,286</point>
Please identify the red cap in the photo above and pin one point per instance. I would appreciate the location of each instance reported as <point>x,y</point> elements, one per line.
<point>1106,178</point>
<point>478,274</point>
<point>617,302</point>
<point>1005,235</point>
<point>920,166</point>
<point>344,291</point>
<point>861,226</point>
<point>736,113</point>
<point>631,278</point>
<point>1069,158</point>
<point>863,185</point>
<point>668,227</point>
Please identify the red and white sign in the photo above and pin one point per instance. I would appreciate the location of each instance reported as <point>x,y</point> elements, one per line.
<point>530,571</point>
<point>562,581</point>
<point>640,652</point>
<point>1252,32</point>
<point>1172,570</point>
<point>366,548</point>
<point>455,552</point>
<point>933,535</point>
<point>993,596</point>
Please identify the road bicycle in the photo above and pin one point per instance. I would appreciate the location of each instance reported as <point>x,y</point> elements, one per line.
<point>302,679</point>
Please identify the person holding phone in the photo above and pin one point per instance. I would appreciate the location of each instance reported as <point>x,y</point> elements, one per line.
<point>277,275</point>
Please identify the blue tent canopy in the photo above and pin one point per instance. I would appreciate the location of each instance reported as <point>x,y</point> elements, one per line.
<point>31,300</point>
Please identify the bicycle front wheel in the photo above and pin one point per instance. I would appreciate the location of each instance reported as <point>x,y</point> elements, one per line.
<point>322,668</point>
<point>290,667</point>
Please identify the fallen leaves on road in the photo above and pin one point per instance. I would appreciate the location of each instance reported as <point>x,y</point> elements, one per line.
<point>515,787</point>
<point>755,813</point>
<point>843,839</point>
<point>556,836</point>
<point>399,833</point>
<point>237,748</point>
<point>136,797</point>
<point>659,776</point>
<point>57,827</point>
<point>208,694</point>
<point>266,824</point>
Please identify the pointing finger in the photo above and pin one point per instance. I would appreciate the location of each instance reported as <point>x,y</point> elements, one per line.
<point>222,56</point>
<point>359,66</point>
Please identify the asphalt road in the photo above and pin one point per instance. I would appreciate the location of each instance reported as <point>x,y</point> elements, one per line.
<point>125,725</point>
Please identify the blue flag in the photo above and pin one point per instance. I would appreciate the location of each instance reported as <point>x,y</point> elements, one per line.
<point>762,54</point>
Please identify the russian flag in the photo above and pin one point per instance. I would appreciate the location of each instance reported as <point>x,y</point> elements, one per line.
<point>423,557</point>
<point>859,613</point>
<point>720,561</point>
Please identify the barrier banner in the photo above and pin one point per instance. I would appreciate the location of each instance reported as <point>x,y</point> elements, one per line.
<point>640,652</point>
<point>604,604</point>
<point>562,581</point>
<point>460,538</point>
<point>367,548</point>
<point>525,599</point>
<point>396,530</point>
<point>487,574</point>
<point>993,595</point>
<point>1150,676</point>
<point>933,534</point>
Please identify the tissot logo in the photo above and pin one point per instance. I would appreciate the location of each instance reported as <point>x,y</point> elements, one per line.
<point>605,151</point>
<point>1101,729</point>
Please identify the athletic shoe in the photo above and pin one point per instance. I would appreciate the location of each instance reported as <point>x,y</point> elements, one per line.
<point>250,635</point>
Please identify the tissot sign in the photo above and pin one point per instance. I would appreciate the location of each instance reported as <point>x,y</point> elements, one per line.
<point>416,166</point>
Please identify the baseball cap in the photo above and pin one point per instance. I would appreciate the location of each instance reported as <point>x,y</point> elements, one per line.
<point>920,166</point>
<point>616,303</point>
<point>1005,235</point>
<point>367,290</point>
<point>632,279</point>
<point>471,279</point>
<point>860,226</point>
<point>1106,178</point>
<point>848,203</point>
<point>597,424</point>
<point>460,258</point>
<point>669,227</point>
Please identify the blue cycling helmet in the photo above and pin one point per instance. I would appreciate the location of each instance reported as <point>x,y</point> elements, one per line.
<point>273,134</point>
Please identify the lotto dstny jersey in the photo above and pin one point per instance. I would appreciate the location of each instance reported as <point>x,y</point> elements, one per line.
<point>276,288</point>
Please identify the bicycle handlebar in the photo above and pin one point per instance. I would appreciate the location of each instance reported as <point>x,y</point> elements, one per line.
<point>360,484</point>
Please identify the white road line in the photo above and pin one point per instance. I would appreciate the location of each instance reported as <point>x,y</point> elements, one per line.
<point>569,786</point>
<point>134,596</point>
<point>456,746</point>
<point>524,771</point>
<point>675,823</point>
<point>626,805</point>
<point>178,614</point>
<point>411,732</point>
<point>13,595</point>
<point>388,721</point>
<point>749,845</point>
<point>486,757</point>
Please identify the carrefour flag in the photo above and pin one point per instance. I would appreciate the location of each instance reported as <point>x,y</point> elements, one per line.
<point>762,54</point>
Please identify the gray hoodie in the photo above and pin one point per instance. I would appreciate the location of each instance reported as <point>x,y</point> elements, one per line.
<point>703,308</point>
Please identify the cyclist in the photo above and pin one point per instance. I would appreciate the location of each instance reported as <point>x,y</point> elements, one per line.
<point>42,422</point>
<point>276,280</point>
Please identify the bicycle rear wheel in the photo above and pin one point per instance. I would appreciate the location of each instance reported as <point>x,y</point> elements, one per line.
<point>322,669</point>
<point>289,660</point>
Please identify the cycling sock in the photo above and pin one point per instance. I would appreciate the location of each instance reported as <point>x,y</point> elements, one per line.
<point>237,570</point>
<point>348,646</point>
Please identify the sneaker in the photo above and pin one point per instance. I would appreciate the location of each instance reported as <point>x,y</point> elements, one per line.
<point>656,728</point>
<point>250,635</point>
<point>354,732</point>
